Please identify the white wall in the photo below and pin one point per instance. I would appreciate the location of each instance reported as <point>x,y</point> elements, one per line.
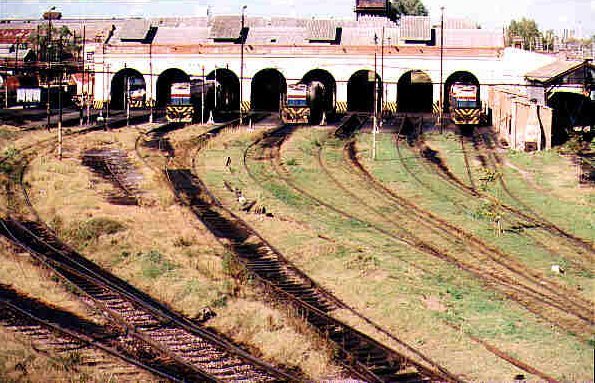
<point>508,67</point>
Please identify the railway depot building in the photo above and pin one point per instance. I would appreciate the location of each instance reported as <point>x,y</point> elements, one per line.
<point>344,55</point>
<point>403,65</point>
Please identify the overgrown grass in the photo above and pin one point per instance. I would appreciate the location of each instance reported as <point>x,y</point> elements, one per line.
<point>91,230</point>
<point>158,247</point>
<point>390,282</point>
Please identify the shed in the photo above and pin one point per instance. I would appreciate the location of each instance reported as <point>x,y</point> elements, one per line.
<point>562,76</point>
<point>568,87</point>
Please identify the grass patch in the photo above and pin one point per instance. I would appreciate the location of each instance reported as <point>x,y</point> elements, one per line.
<point>154,265</point>
<point>92,229</point>
<point>385,279</point>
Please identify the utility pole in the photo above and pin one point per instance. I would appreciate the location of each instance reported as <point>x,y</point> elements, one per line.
<point>108,94</point>
<point>60,115</point>
<point>16,55</point>
<point>6,90</point>
<point>242,65</point>
<point>383,98</point>
<point>215,101</point>
<point>83,95</point>
<point>127,100</point>
<point>60,53</point>
<point>441,115</point>
<point>49,66</point>
<point>151,81</point>
<point>375,116</point>
<point>86,95</point>
<point>202,98</point>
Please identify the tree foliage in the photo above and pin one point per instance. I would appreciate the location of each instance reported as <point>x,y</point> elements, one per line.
<point>548,39</point>
<point>59,45</point>
<point>398,8</point>
<point>526,29</point>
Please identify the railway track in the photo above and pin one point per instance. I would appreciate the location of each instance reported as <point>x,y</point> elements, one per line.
<point>411,211</point>
<point>569,311</point>
<point>519,217</point>
<point>541,298</point>
<point>484,145</point>
<point>102,348</point>
<point>564,300</point>
<point>533,281</point>
<point>364,357</point>
<point>205,356</point>
<point>461,187</point>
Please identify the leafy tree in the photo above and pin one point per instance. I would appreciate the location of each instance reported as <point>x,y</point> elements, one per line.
<point>62,46</point>
<point>548,39</point>
<point>526,29</point>
<point>398,8</point>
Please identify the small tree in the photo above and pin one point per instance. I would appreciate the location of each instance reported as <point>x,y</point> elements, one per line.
<point>524,28</point>
<point>548,40</point>
<point>398,8</point>
<point>62,46</point>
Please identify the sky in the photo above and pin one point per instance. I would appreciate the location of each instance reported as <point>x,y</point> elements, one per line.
<point>549,14</point>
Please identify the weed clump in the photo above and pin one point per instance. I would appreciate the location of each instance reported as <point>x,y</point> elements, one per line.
<point>154,265</point>
<point>94,228</point>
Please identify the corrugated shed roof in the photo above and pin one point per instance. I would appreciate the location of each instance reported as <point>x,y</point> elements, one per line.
<point>415,28</point>
<point>553,70</point>
<point>321,30</point>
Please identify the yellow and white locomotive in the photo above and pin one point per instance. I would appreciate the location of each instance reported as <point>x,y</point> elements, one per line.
<point>465,108</point>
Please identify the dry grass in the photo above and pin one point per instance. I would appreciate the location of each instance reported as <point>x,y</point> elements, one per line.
<point>20,363</point>
<point>267,329</point>
<point>18,271</point>
<point>163,250</point>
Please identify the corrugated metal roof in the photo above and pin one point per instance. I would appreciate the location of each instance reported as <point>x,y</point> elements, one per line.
<point>278,35</point>
<point>134,30</point>
<point>415,28</point>
<point>182,35</point>
<point>553,70</point>
<point>226,27</point>
<point>365,36</point>
<point>459,23</point>
<point>321,30</point>
<point>471,38</point>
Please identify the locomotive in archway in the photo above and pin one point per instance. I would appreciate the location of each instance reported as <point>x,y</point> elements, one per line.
<point>305,104</point>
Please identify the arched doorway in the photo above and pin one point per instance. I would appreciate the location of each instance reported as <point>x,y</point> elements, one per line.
<point>268,86</point>
<point>225,97</point>
<point>131,79</point>
<point>164,82</point>
<point>462,77</point>
<point>360,91</point>
<point>323,93</point>
<point>414,92</point>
